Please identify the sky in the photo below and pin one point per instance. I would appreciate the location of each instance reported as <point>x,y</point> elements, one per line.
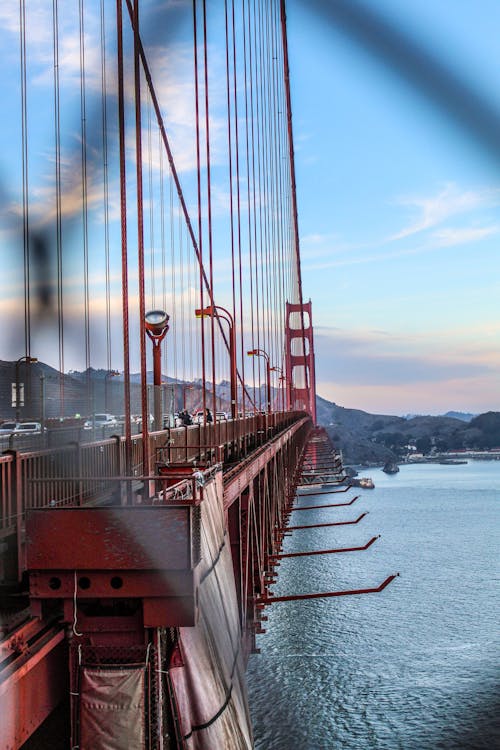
<point>396,116</point>
<point>399,196</point>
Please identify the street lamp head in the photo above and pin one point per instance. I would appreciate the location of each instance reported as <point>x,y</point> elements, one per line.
<point>206,312</point>
<point>156,322</point>
<point>252,352</point>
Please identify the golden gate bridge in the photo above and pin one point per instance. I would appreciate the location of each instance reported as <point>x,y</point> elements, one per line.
<point>150,213</point>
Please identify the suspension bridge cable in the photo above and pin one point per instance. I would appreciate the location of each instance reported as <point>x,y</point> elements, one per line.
<point>140,239</point>
<point>25,181</point>
<point>59,256</point>
<point>247,78</point>
<point>209,197</point>
<point>85,237</point>
<point>104,122</point>
<point>124,245</point>
<point>200,226</point>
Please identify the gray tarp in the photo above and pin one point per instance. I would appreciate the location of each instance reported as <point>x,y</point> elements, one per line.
<point>210,687</point>
<point>112,705</point>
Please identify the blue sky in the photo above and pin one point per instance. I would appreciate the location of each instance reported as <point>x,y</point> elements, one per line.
<point>399,211</point>
<point>398,195</point>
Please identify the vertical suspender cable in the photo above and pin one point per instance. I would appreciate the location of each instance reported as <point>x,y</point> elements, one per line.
<point>280,197</point>
<point>200,227</point>
<point>248,81</point>
<point>173,275</point>
<point>57,138</point>
<point>254,140</point>
<point>162,227</point>
<point>24,158</point>
<point>124,249</point>
<point>85,237</point>
<point>140,242</point>
<point>151,209</point>
<point>209,199</point>
<point>265,173</point>
<point>230,154</point>
<point>260,179</point>
<point>272,219</point>
<point>147,73</point>
<point>238,202</point>
<point>104,106</point>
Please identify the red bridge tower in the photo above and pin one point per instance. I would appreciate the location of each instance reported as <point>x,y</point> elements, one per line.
<point>299,358</point>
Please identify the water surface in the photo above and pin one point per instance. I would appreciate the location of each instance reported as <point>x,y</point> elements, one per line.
<point>412,668</point>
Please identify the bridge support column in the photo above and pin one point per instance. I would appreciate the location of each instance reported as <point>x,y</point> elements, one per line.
<point>299,359</point>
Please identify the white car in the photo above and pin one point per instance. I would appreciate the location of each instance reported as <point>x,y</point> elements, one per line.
<point>104,419</point>
<point>7,428</point>
<point>28,428</point>
<point>220,416</point>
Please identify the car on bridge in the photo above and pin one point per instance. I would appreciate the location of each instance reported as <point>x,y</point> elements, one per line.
<point>7,428</point>
<point>100,420</point>
<point>28,428</point>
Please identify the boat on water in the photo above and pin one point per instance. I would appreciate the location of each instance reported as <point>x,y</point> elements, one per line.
<point>366,483</point>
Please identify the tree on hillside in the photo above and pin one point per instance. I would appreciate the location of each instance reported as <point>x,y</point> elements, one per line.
<point>424,445</point>
<point>394,441</point>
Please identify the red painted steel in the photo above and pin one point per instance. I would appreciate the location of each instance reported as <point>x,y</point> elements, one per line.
<point>33,679</point>
<point>328,594</point>
<point>249,469</point>
<point>300,397</point>
<point>322,492</point>
<point>328,505</point>
<point>318,525</point>
<point>283,555</point>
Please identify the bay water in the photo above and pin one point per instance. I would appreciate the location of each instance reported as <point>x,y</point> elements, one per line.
<point>414,667</point>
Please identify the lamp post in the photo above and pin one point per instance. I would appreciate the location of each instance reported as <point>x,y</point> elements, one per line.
<point>262,353</point>
<point>109,374</point>
<point>210,312</point>
<point>281,379</point>
<point>156,325</point>
<point>28,360</point>
<point>184,389</point>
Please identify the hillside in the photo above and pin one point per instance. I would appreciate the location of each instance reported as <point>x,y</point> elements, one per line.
<point>376,438</point>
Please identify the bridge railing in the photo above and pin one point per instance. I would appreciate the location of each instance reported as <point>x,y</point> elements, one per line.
<point>7,497</point>
<point>88,473</point>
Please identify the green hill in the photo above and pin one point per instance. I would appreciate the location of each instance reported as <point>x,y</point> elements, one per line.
<point>376,438</point>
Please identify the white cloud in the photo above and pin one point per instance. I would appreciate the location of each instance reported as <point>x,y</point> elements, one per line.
<point>460,235</point>
<point>450,201</point>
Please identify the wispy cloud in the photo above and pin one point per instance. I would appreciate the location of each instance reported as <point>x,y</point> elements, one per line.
<point>450,201</point>
<point>460,235</point>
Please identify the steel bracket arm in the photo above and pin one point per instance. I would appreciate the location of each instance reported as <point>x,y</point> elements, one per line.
<point>327,594</point>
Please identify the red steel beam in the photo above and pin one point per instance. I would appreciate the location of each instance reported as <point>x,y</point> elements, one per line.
<point>234,486</point>
<point>329,505</point>
<point>318,525</point>
<point>32,684</point>
<point>327,594</point>
<point>322,492</point>
<point>282,555</point>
